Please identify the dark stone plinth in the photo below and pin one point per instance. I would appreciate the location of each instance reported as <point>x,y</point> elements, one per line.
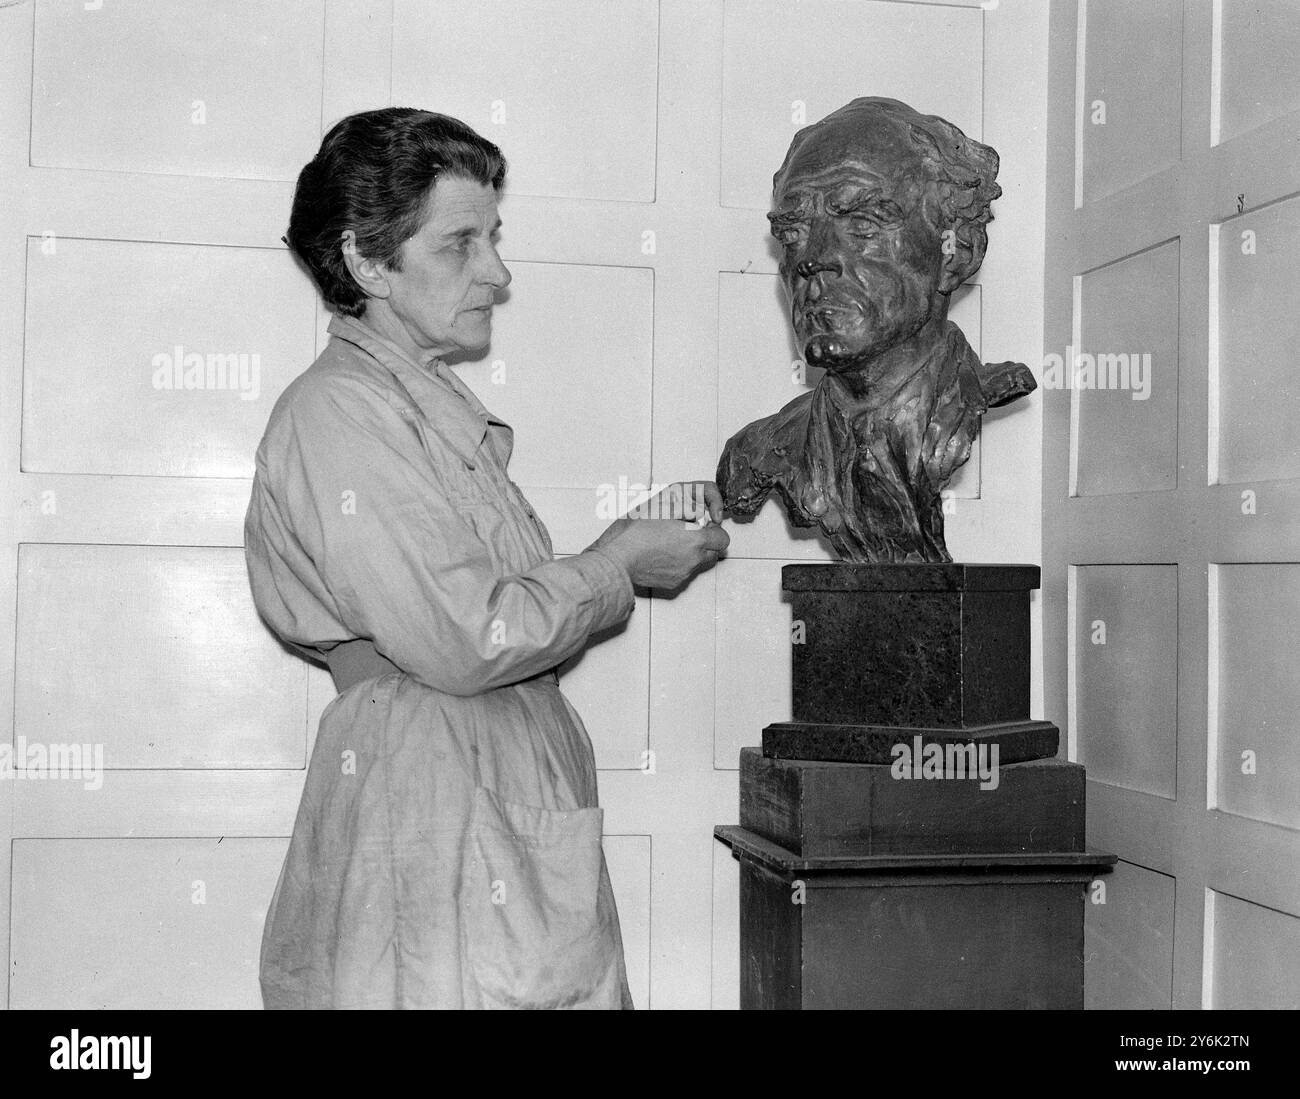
<point>837,809</point>
<point>1016,741</point>
<point>916,646</point>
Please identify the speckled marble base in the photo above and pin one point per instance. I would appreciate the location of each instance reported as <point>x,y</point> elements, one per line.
<point>920,646</point>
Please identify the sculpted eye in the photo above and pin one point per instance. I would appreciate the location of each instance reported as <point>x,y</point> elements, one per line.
<point>787,234</point>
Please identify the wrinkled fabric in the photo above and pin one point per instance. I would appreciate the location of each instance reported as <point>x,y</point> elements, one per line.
<point>446,851</point>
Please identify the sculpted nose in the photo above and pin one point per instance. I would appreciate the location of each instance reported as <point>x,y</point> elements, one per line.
<point>820,251</point>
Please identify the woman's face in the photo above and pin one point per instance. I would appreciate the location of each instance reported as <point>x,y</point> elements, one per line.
<point>444,293</point>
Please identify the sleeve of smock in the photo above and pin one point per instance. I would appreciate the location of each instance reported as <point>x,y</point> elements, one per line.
<point>354,502</point>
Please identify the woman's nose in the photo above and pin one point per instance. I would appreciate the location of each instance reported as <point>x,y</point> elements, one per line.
<point>498,274</point>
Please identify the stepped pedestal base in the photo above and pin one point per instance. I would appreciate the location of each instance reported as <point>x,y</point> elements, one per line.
<point>909,839</point>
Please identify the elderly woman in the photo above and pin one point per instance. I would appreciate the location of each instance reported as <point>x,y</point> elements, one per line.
<point>446,851</point>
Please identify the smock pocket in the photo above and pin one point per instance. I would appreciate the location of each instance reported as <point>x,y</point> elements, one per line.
<point>537,921</point>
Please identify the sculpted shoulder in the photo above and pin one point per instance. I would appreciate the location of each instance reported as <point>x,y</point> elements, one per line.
<point>1004,382</point>
<point>789,424</point>
<point>760,454</point>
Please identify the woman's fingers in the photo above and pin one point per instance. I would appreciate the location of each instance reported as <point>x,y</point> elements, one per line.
<point>713,500</point>
<point>703,500</point>
<point>698,502</point>
<point>693,500</point>
<point>713,544</point>
<point>715,539</point>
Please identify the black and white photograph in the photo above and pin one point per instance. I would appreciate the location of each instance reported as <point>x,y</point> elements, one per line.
<point>681,506</point>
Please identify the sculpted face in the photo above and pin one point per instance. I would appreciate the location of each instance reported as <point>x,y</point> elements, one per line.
<point>861,262</point>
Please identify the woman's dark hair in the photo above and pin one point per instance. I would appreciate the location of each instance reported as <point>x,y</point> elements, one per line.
<point>373,175</point>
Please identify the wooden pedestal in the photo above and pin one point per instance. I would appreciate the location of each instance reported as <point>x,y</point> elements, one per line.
<point>863,890</point>
<point>974,931</point>
<point>959,931</point>
<point>859,889</point>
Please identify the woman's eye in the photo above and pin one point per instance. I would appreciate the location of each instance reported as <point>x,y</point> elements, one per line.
<point>863,227</point>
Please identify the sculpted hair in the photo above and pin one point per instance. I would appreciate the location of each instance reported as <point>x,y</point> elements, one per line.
<point>373,175</point>
<point>966,171</point>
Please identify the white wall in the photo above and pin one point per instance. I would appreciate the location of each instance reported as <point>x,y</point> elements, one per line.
<point>1170,529</point>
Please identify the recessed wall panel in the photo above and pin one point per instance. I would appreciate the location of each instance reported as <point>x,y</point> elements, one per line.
<point>760,366</point>
<point>726,930</point>
<point>1128,941</point>
<point>177,923</point>
<point>158,359</point>
<point>1126,674</point>
<point>785,66</point>
<point>566,88</point>
<point>157,654</point>
<point>1256,401</point>
<point>133,924</point>
<point>628,860</point>
<point>753,648</point>
<point>1132,92</point>
<point>1257,610</point>
<point>1125,375</point>
<point>1259,78</point>
<point>181,88</point>
<point>608,683</point>
<point>571,368</point>
<point>1256,956</point>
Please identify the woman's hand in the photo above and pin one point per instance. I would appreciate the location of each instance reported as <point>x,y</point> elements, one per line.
<point>610,533</point>
<point>699,502</point>
<point>662,553</point>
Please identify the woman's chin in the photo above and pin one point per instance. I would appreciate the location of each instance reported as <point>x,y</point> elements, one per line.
<point>477,332</point>
<point>468,344</point>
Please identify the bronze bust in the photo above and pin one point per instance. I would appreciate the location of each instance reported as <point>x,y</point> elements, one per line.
<point>880,212</point>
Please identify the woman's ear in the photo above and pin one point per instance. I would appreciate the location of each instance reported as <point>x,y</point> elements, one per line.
<point>369,275</point>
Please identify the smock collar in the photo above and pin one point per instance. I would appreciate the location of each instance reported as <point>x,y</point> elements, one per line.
<point>462,420</point>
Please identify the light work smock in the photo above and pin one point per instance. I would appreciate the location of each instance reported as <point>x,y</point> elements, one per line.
<point>446,851</point>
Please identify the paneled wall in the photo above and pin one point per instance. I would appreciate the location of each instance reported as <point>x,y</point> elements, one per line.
<point>1170,487</point>
<point>153,153</point>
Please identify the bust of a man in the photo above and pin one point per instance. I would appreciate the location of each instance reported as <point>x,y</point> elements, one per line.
<point>880,213</point>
